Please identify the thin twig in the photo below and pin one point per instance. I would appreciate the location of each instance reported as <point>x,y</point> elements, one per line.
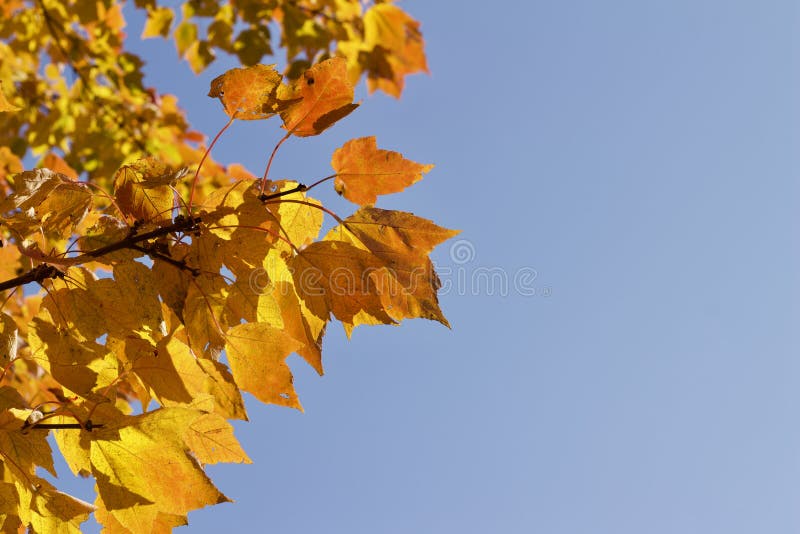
<point>271,157</point>
<point>46,271</point>
<point>203,159</point>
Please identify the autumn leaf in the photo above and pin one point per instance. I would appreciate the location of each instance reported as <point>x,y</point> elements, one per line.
<point>31,188</point>
<point>296,324</point>
<point>325,96</point>
<point>335,277</point>
<point>211,440</point>
<point>185,35</point>
<point>53,511</point>
<point>75,363</point>
<point>363,171</point>
<point>139,463</point>
<point>9,164</point>
<point>222,387</point>
<point>64,209</point>
<point>407,283</point>
<point>159,21</point>
<point>396,48</point>
<point>57,164</point>
<point>142,190</point>
<point>297,216</point>
<point>257,353</point>
<point>169,371</point>
<point>22,452</point>
<point>392,234</point>
<point>250,93</point>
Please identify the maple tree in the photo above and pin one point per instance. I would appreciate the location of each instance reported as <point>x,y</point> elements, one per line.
<point>145,286</point>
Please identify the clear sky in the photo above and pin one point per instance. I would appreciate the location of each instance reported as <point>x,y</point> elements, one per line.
<point>632,164</point>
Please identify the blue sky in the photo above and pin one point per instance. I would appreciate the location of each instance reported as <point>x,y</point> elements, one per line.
<point>640,159</point>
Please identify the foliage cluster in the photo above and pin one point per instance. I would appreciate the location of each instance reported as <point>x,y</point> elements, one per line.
<point>146,286</point>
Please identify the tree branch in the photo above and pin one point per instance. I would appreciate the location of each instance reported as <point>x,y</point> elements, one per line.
<point>37,274</point>
<point>45,270</point>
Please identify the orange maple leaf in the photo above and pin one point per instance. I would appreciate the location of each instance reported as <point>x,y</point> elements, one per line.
<point>363,171</point>
<point>327,96</point>
<point>250,93</point>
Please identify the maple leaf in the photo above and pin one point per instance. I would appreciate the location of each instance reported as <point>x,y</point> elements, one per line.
<point>363,171</point>
<point>325,96</point>
<point>334,277</point>
<point>139,462</point>
<point>250,93</point>
<point>211,440</point>
<point>57,164</point>
<point>50,510</point>
<point>396,48</point>
<point>20,452</point>
<point>257,353</point>
<point>169,371</point>
<point>407,283</point>
<point>32,188</point>
<point>159,21</point>
<point>296,324</point>
<point>78,364</point>
<point>142,190</point>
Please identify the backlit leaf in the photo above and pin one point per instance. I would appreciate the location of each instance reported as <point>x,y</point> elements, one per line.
<point>142,460</point>
<point>363,171</point>
<point>250,93</point>
<point>210,437</point>
<point>54,511</point>
<point>326,95</point>
<point>257,353</point>
<point>142,190</point>
<point>334,277</point>
<point>395,45</point>
<point>158,23</point>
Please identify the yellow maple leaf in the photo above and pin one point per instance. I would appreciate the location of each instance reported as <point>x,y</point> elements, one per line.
<point>257,353</point>
<point>140,461</point>
<point>22,452</point>
<point>170,372</point>
<point>53,511</point>
<point>142,190</point>
<point>394,46</point>
<point>211,439</point>
<point>159,21</point>
<point>74,362</point>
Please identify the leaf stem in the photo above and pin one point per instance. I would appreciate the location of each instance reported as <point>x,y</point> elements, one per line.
<point>203,159</point>
<point>271,157</point>
<point>45,270</point>
<point>300,188</point>
<point>105,193</point>
<point>37,274</point>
